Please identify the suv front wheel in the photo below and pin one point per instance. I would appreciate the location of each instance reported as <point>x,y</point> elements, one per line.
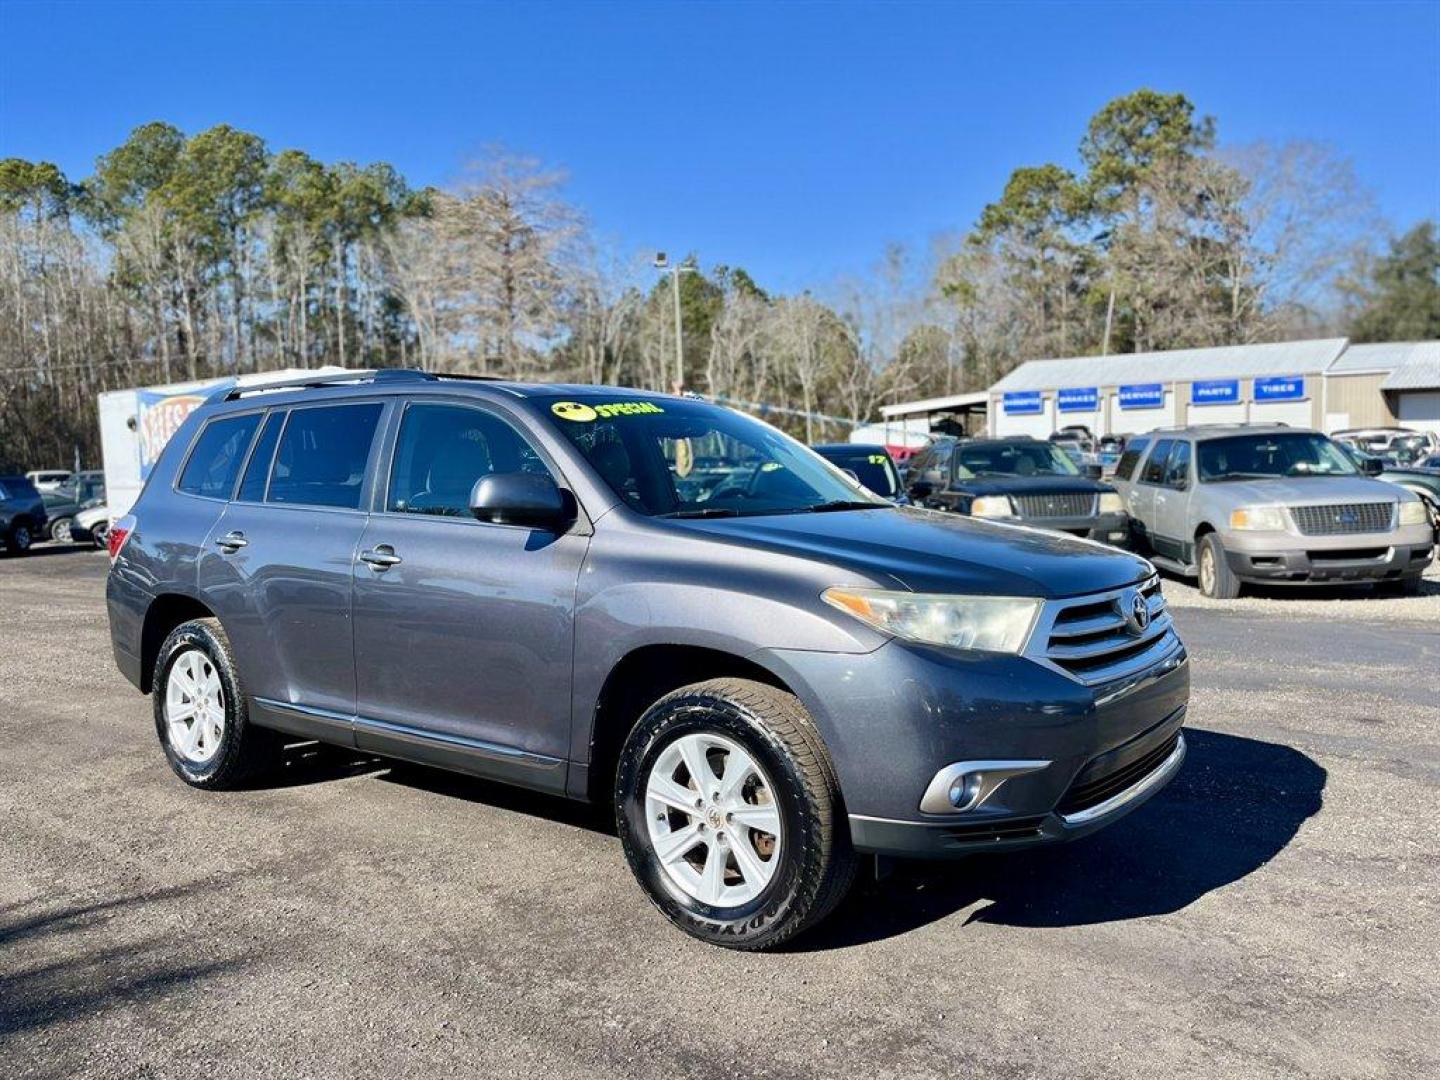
<point>200,711</point>
<point>730,816</point>
<point>1217,580</point>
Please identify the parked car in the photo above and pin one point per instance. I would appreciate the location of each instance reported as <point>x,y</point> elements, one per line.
<point>1379,440</point>
<point>22,514</point>
<point>48,479</point>
<point>871,465</point>
<point>1232,504</point>
<point>81,491</point>
<point>1019,480</point>
<point>92,524</point>
<point>502,579</point>
<point>1423,481</point>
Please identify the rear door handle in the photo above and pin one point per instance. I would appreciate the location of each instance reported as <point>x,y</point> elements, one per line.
<point>231,541</point>
<point>381,557</point>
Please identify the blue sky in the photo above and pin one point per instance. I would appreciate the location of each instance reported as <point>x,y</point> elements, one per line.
<point>795,140</point>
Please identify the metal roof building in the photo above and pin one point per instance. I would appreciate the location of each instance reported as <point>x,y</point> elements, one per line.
<point>1325,383</point>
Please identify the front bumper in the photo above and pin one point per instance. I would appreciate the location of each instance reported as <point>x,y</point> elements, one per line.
<point>1321,560</point>
<point>1107,528</point>
<point>946,839</point>
<point>893,718</point>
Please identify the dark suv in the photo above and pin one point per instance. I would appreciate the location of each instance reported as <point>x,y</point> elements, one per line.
<point>763,678</point>
<point>1019,480</point>
<point>22,514</point>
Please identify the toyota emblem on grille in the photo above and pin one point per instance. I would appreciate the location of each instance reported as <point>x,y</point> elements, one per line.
<point>1346,517</point>
<point>1139,613</point>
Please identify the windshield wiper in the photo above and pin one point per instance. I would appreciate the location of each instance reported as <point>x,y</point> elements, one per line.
<point>705,512</point>
<point>844,504</point>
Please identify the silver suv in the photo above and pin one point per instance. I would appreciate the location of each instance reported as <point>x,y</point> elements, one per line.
<point>1232,504</point>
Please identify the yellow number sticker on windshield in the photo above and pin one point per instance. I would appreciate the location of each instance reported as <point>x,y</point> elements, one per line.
<point>581,413</point>
<point>573,410</point>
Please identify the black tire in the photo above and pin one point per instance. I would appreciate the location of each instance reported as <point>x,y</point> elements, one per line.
<point>1217,580</point>
<point>243,750</point>
<point>19,539</point>
<point>817,864</point>
<point>1405,586</point>
<point>60,530</point>
<point>100,535</point>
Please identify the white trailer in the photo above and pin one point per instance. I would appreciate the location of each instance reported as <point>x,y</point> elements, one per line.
<point>136,424</point>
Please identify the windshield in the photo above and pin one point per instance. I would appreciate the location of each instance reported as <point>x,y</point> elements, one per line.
<point>874,468</point>
<point>674,457</point>
<point>1262,457</point>
<point>1013,459</point>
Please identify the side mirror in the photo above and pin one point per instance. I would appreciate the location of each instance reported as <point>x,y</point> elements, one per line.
<point>519,498</point>
<point>1094,472</point>
<point>1372,466</point>
<point>921,489</point>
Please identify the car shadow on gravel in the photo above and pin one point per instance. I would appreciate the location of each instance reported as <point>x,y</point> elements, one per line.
<point>1234,806</point>
<point>53,973</point>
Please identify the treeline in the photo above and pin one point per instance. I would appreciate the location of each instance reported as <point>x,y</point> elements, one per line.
<point>182,257</point>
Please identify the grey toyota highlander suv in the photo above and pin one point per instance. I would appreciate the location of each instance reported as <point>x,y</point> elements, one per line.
<point>505,579</point>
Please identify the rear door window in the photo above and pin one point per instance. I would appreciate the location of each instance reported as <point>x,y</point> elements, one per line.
<point>1154,472</point>
<point>1177,469</point>
<point>322,456</point>
<point>214,463</point>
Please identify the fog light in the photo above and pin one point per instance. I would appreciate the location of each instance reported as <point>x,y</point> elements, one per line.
<point>965,785</point>
<point>965,791</point>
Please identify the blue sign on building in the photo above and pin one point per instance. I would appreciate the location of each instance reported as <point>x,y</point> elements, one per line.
<point>1023,402</point>
<point>1142,396</point>
<point>1078,399</point>
<point>1280,388</point>
<point>1215,392</point>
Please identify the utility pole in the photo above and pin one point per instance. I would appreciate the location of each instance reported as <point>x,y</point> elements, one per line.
<point>1109,317</point>
<point>662,263</point>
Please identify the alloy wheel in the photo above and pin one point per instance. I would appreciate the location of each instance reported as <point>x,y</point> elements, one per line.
<point>194,707</point>
<point>713,820</point>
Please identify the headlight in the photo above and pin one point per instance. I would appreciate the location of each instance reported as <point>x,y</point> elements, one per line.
<point>992,623</point>
<point>1258,519</point>
<point>1413,513</point>
<point>1111,503</point>
<point>992,506</point>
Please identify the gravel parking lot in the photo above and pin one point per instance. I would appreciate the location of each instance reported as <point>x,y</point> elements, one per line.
<point>1275,912</point>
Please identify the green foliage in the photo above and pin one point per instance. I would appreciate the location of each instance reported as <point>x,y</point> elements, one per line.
<point>1401,301</point>
<point>37,186</point>
<point>1133,134</point>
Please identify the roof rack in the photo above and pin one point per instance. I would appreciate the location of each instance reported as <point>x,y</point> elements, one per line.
<point>340,378</point>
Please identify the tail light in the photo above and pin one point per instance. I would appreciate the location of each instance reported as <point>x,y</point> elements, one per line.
<point>120,531</point>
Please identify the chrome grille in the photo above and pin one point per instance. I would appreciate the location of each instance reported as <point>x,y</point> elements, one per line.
<point>1060,504</point>
<point>1342,518</point>
<point>1096,639</point>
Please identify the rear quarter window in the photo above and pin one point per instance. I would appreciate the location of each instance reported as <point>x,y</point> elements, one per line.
<point>214,463</point>
<point>1130,458</point>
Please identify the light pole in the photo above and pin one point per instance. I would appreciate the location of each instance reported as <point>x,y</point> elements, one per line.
<point>662,263</point>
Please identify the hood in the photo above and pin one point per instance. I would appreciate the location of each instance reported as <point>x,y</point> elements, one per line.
<point>1304,490</point>
<point>931,551</point>
<point>1026,485</point>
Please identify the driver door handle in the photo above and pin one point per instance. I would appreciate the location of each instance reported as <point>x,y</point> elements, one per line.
<point>231,541</point>
<point>381,557</point>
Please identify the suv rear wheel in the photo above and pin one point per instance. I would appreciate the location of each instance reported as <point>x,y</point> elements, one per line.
<point>730,816</point>
<point>200,711</point>
<point>1217,580</point>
